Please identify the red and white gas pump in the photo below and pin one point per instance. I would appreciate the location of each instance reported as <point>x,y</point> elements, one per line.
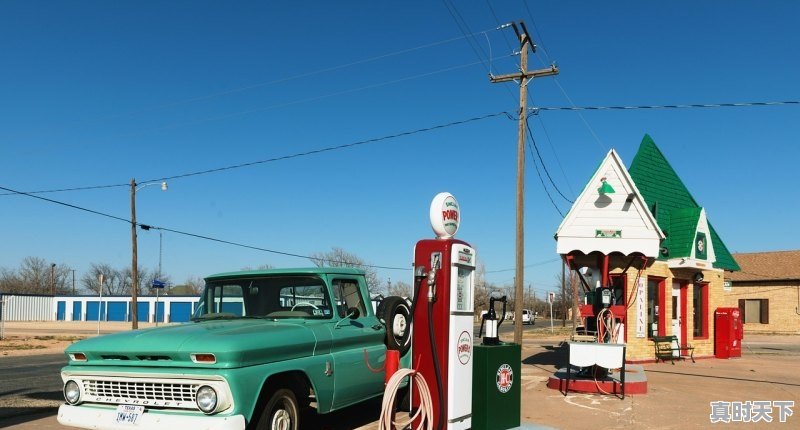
<point>443,316</point>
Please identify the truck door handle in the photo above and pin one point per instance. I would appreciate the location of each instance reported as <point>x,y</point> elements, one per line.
<point>377,327</point>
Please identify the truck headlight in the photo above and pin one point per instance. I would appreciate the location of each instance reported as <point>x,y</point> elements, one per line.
<point>206,399</point>
<point>72,392</point>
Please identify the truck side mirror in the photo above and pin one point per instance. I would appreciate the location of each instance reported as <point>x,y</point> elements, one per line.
<point>353,313</point>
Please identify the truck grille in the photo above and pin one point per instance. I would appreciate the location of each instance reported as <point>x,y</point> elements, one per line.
<point>180,395</point>
<point>141,390</point>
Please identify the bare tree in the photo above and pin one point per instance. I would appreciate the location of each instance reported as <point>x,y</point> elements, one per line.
<point>482,290</point>
<point>399,288</point>
<point>10,282</point>
<point>192,285</point>
<point>338,257</point>
<point>35,274</point>
<point>115,281</point>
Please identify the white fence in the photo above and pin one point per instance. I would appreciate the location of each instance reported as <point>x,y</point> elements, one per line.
<point>21,307</point>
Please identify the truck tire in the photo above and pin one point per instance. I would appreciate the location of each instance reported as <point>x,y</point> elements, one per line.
<point>281,412</point>
<point>396,315</point>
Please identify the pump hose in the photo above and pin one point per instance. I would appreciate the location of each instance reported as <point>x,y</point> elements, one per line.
<point>442,416</point>
<point>606,325</point>
<point>425,411</point>
<point>414,300</point>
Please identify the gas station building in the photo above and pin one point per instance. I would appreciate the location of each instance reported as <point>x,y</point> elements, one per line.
<point>640,233</point>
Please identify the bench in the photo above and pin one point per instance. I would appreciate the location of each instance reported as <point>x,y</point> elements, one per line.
<point>665,348</point>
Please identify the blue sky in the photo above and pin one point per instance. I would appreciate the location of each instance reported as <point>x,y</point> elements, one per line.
<point>96,93</point>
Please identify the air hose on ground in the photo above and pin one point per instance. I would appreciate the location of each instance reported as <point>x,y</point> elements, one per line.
<point>425,412</point>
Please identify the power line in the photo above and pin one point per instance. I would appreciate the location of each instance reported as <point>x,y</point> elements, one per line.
<point>235,114</point>
<point>536,29</point>
<point>542,181</point>
<point>586,123</point>
<point>497,20</point>
<point>284,157</point>
<point>555,154</point>
<point>281,80</point>
<point>93,187</point>
<point>334,148</point>
<point>300,101</point>
<point>464,28</point>
<point>530,135</point>
<point>540,263</point>
<point>195,235</point>
<point>22,193</point>
<point>680,106</point>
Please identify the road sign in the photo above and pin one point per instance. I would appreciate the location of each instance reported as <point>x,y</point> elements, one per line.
<point>158,284</point>
<point>551,297</point>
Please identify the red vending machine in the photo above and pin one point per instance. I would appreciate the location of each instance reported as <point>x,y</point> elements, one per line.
<point>728,332</point>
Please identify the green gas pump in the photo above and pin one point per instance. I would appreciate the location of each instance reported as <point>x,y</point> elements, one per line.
<point>496,379</point>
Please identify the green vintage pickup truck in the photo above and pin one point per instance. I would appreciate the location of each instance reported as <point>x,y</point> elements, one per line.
<point>263,350</point>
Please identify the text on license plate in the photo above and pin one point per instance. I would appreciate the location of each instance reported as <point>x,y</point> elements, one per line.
<point>127,414</point>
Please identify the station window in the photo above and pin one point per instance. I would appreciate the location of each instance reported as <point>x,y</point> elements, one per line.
<point>700,310</point>
<point>655,307</point>
<point>755,310</point>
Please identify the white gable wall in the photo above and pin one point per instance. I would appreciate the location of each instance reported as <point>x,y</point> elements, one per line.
<point>593,211</point>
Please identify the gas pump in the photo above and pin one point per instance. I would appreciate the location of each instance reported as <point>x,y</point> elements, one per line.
<point>442,335</point>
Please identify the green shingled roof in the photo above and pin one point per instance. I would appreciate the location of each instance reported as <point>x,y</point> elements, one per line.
<point>682,227</point>
<point>676,211</point>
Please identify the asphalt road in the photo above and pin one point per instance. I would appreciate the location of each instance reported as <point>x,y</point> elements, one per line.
<point>31,385</point>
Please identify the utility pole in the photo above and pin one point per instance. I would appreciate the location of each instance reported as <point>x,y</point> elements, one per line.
<point>73,282</point>
<point>134,260</point>
<point>53,278</point>
<point>523,76</point>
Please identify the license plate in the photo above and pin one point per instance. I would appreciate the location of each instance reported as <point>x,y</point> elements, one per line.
<point>128,415</point>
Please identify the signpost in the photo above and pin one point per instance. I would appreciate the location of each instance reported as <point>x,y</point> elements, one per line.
<point>551,297</point>
<point>3,317</point>
<point>158,285</point>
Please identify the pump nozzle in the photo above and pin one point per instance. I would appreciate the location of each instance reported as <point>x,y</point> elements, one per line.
<point>432,285</point>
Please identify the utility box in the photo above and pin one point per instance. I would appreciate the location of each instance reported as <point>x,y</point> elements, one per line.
<point>728,332</point>
<point>496,380</point>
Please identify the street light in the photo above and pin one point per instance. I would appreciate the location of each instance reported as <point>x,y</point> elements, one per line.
<point>135,258</point>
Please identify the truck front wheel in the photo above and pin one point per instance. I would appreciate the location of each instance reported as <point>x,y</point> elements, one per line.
<point>281,412</point>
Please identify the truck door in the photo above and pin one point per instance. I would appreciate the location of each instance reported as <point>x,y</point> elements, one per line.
<point>353,379</point>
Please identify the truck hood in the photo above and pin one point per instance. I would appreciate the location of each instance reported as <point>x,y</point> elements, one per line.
<point>234,343</point>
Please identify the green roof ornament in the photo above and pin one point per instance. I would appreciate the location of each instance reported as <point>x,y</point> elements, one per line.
<point>605,187</point>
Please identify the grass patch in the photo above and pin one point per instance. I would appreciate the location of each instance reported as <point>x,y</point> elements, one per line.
<point>20,347</point>
<point>60,338</point>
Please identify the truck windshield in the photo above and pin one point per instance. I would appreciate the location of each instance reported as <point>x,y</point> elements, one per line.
<point>264,297</point>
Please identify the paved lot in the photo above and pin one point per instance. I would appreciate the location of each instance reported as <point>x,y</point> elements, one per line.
<point>679,395</point>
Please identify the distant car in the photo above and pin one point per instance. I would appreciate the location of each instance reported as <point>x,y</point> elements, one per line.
<point>528,317</point>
